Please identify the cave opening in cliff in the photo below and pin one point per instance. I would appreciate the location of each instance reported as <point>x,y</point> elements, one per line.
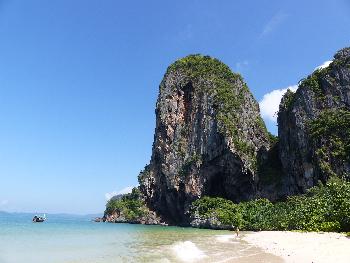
<point>215,186</point>
<point>188,90</point>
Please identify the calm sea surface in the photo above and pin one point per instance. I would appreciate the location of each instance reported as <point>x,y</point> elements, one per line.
<point>77,239</point>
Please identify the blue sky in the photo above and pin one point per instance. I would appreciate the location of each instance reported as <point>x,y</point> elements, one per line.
<point>79,81</point>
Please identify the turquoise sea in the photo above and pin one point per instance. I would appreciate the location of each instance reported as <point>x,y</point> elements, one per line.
<point>66,238</point>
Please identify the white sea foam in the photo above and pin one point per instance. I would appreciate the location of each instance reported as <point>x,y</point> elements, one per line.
<point>188,251</point>
<point>225,238</point>
<point>163,260</point>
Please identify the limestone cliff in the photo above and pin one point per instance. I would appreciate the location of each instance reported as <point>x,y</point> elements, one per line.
<point>207,138</point>
<point>314,126</point>
<point>211,141</point>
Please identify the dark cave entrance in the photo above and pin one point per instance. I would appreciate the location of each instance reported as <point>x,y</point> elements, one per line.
<point>215,186</point>
<point>188,90</point>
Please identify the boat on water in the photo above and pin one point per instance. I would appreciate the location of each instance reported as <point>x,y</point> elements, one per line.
<point>39,219</point>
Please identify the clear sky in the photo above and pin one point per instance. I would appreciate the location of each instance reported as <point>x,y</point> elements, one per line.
<point>79,81</point>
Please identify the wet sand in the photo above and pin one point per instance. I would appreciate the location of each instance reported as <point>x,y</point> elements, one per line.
<point>203,247</point>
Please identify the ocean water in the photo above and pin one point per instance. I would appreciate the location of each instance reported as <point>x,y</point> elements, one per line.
<point>74,239</point>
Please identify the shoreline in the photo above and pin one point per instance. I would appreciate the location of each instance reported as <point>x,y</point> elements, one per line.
<point>299,247</point>
<point>292,246</point>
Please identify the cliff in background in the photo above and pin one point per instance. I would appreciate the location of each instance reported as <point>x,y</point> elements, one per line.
<point>207,137</point>
<point>314,126</point>
<point>211,141</point>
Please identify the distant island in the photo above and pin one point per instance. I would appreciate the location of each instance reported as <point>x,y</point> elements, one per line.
<point>215,165</point>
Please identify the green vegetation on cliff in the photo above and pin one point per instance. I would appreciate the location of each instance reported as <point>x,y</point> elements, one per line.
<point>130,206</point>
<point>331,134</point>
<point>313,82</point>
<point>287,100</point>
<point>322,208</point>
<point>229,92</point>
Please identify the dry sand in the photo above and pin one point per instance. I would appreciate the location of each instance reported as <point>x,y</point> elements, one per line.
<point>298,247</point>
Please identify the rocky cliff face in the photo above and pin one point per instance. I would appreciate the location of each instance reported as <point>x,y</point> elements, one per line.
<point>314,126</point>
<point>211,141</point>
<point>207,138</point>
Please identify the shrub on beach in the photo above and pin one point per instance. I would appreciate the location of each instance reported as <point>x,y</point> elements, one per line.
<point>216,212</point>
<point>322,208</point>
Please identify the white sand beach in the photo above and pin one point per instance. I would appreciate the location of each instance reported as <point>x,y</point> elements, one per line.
<point>300,247</point>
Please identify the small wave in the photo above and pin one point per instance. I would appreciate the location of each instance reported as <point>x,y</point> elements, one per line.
<point>163,260</point>
<point>225,238</point>
<point>188,251</point>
